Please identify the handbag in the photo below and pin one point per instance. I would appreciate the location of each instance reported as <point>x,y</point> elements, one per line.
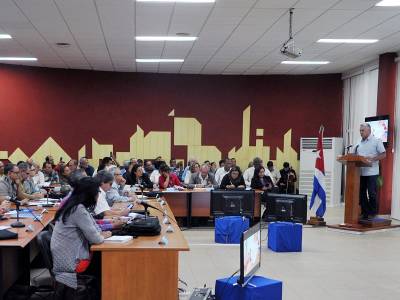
<point>149,226</point>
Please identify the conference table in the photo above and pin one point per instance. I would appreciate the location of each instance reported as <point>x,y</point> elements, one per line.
<point>142,268</point>
<point>16,255</point>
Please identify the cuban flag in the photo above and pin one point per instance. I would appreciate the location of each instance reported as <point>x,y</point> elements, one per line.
<point>318,196</point>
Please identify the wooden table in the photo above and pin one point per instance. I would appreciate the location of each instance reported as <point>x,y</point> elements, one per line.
<point>17,254</point>
<point>143,269</point>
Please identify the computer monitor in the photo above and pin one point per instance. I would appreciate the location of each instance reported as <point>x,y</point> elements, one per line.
<point>286,207</point>
<point>250,254</point>
<point>232,203</point>
<point>379,127</point>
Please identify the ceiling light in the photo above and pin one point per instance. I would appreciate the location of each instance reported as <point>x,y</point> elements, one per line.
<point>9,58</point>
<point>348,41</point>
<point>159,60</point>
<point>388,3</point>
<point>304,62</point>
<point>178,1</point>
<point>5,36</point>
<point>166,38</point>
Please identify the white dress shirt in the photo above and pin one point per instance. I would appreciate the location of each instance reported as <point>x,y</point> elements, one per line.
<point>220,174</point>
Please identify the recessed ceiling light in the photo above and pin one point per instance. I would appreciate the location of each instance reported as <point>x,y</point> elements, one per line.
<point>348,41</point>
<point>9,58</point>
<point>304,62</point>
<point>178,1</point>
<point>388,3</point>
<point>159,60</point>
<point>166,38</point>
<point>5,36</point>
<point>63,44</point>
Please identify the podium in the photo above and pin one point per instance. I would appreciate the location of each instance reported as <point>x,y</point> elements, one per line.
<point>352,197</point>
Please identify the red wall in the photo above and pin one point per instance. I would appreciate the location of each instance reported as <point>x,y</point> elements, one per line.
<point>72,106</point>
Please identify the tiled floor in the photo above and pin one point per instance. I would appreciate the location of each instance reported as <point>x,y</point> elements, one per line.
<point>333,265</point>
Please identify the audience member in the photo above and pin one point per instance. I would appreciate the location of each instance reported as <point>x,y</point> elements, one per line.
<point>75,230</point>
<point>194,169</point>
<point>204,178</point>
<point>38,179</point>
<point>221,172</point>
<point>137,176</point>
<point>260,181</point>
<point>233,179</point>
<point>153,173</point>
<point>73,165</point>
<point>9,185</point>
<point>26,187</point>
<point>221,163</point>
<point>106,180</point>
<point>49,174</point>
<point>168,178</point>
<point>115,193</point>
<point>288,179</point>
<point>213,167</point>
<point>233,162</point>
<point>275,175</point>
<point>249,173</point>
<point>84,164</point>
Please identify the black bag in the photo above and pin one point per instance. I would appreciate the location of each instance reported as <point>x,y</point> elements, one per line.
<point>149,226</point>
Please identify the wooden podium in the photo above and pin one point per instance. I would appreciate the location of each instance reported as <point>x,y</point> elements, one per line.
<point>352,197</point>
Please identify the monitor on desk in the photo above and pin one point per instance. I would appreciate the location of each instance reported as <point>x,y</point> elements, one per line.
<point>232,203</point>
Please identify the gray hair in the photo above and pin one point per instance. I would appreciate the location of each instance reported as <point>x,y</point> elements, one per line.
<point>104,176</point>
<point>257,161</point>
<point>365,125</point>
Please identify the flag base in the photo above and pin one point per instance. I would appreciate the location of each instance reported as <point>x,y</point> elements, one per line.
<point>316,221</point>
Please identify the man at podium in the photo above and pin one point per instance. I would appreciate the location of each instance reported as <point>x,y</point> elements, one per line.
<point>371,148</point>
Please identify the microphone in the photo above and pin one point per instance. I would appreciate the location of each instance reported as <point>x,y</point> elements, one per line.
<point>146,205</point>
<point>16,224</point>
<point>355,151</point>
<point>348,147</point>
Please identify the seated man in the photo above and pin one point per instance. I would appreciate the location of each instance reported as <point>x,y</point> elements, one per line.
<point>275,175</point>
<point>9,185</point>
<point>203,179</point>
<point>50,175</point>
<point>115,193</point>
<point>168,178</point>
<point>233,180</point>
<point>26,187</point>
<point>84,164</point>
<point>72,165</point>
<point>221,172</point>
<point>288,180</point>
<point>106,180</point>
<point>153,172</point>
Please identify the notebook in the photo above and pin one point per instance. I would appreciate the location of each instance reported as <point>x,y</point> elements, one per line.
<point>118,239</point>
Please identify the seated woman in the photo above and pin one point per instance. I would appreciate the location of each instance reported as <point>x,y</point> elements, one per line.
<point>168,178</point>
<point>75,230</point>
<point>233,180</point>
<point>137,176</point>
<point>260,181</point>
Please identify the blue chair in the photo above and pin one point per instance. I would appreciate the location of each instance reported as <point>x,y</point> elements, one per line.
<point>258,288</point>
<point>285,237</point>
<point>228,230</point>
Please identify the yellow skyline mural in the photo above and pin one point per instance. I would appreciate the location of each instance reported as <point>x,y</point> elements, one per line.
<point>187,132</point>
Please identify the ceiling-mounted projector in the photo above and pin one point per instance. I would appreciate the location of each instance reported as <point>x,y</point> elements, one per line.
<point>289,48</point>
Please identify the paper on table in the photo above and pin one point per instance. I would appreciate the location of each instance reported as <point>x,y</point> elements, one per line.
<point>118,239</point>
<point>4,227</point>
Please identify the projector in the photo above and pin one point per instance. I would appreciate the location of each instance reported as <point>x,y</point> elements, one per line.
<point>289,49</point>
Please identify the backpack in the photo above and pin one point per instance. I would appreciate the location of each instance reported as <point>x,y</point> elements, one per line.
<point>149,226</point>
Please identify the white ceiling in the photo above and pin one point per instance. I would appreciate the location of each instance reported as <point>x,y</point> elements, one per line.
<point>235,36</point>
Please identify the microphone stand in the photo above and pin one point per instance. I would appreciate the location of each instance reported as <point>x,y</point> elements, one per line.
<point>17,224</point>
<point>48,189</point>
